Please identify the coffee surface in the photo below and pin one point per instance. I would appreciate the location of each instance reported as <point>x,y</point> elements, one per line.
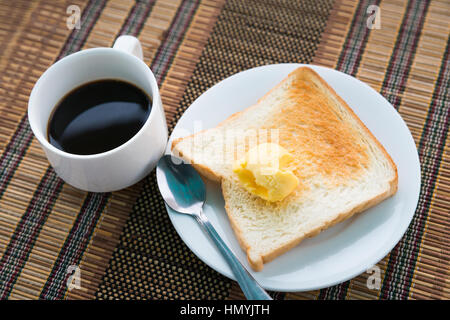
<point>98,116</point>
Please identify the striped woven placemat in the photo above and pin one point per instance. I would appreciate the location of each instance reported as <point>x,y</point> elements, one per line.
<point>123,241</point>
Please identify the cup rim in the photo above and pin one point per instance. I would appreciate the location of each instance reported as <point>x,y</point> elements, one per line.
<point>155,98</point>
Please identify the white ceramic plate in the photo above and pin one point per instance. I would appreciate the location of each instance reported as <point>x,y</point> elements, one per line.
<point>341,252</point>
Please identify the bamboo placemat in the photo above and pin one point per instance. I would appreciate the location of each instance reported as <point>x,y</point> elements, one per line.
<point>123,241</point>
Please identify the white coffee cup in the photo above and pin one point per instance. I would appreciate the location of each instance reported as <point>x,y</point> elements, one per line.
<point>119,167</point>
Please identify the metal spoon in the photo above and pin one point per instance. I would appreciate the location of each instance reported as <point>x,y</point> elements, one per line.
<point>184,191</point>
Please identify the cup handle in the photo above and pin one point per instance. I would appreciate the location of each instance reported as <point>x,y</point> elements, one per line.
<point>129,44</point>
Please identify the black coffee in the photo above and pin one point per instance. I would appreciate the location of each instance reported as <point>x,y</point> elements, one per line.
<point>98,116</point>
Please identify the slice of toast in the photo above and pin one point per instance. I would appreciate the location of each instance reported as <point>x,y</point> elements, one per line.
<point>341,166</point>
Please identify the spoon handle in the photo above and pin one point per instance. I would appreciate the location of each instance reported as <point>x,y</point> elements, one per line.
<point>251,289</point>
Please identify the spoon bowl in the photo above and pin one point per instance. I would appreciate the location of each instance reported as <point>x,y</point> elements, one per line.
<point>181,186</point>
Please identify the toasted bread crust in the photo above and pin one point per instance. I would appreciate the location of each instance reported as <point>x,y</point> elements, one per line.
<point>257,260</point>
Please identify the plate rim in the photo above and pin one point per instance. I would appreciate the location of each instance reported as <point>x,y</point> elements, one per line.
<point>375,258</point>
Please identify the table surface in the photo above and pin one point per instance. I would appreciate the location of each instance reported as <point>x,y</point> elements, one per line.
<point>122,243</point>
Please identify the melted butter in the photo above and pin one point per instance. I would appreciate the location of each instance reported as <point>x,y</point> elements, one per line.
<point>263,171</point>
